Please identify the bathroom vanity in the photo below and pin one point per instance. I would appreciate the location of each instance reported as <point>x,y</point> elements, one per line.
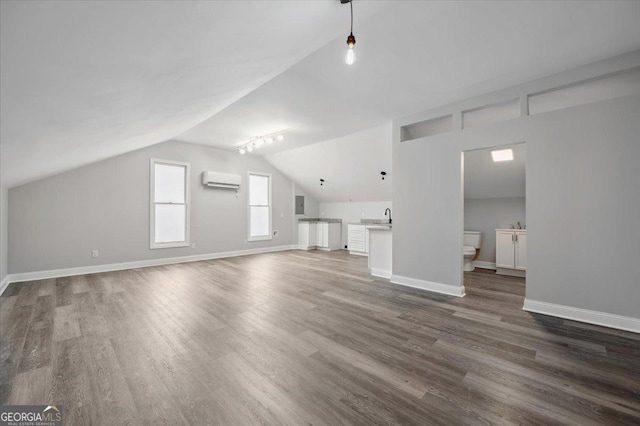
<point>511,252</point>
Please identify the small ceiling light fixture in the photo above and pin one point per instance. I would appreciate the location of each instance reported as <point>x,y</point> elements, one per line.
<point>321,182</point>
<point>242,151</point>
<point>383,174</point>
<point>280,138</point>
<point>351,39</point>
<point>502,155</point>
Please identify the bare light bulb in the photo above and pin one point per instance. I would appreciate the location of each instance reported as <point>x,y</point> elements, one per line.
<point>351,57</point>
<point>241,151</point>
<point>280,138</point>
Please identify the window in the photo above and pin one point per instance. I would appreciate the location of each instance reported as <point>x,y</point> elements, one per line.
<point>259,206</point>
<point>169,204</point>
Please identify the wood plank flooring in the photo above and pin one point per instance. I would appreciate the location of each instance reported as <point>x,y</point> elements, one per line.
<point>305,338</point>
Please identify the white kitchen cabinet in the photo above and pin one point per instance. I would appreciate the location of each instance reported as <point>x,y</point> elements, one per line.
<point>358,239</point>
<point>511,251</point>
<point>521,250</point>
<point>321,235</point>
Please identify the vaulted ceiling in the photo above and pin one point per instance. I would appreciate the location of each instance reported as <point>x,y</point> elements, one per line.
<point>83,81</point>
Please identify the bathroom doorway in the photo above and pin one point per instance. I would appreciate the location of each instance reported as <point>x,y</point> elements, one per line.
<point>495,234</point>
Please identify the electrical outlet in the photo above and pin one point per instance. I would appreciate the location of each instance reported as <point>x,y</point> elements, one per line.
<point>193,245</point>
<point>95,253</point>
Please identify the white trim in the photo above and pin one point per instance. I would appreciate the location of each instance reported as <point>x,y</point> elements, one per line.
<point>152,204</point>
<point>583,315</point>
<point>484,265</point>
<point>448,289</point>
<point>381,273</point>
<point>262,237</point>
<point>67,272</point>
<point>4,284</point>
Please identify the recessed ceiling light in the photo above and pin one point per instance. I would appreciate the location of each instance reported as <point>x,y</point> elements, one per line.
<point>502,155</point>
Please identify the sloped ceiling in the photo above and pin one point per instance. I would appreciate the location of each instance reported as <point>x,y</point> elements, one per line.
<point>484,178</point>
<point>416,55</point>
<point>350,166</point>
<point>83,81</point>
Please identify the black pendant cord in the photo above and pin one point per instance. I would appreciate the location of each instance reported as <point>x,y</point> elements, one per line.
<point>351,5</point>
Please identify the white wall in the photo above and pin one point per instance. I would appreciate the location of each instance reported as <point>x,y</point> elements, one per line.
<point>350,166</point>
<point>353,212</point>
<point>582,197</point>
<point>57,221</point>
<point>4,232</point>
<point>488,214</point>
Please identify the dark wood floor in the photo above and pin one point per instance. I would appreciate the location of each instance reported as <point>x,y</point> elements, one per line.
<point>305,338</point>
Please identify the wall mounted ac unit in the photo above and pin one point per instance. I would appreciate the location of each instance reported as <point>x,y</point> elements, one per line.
<point>221,180</point>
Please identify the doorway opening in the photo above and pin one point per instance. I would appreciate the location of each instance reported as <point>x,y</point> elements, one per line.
<point>495,236</point>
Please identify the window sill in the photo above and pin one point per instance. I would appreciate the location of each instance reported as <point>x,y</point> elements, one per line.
<point>265,238</point>
<point>169,245</point>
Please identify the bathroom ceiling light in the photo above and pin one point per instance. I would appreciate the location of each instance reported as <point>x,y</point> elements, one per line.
<point>502,155</point>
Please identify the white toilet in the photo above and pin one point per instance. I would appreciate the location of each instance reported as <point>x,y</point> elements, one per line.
<point>471,245</point>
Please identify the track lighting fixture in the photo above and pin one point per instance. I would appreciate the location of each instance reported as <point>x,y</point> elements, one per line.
<point>259,141</point>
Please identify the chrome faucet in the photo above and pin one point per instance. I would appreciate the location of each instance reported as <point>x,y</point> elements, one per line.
<point>388,210</point>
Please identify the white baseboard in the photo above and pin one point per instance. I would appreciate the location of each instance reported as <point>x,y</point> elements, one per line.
<point>4,284</point>
<point>450,290</point>
<point>484,265</point>
<point>359,253</point>
<point>381,273</point>
<point>67,272</point>
<point>583,315</point>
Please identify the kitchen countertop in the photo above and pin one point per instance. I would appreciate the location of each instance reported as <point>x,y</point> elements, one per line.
<point>384,228</point>
<point>319,219</point>
<point>371,222</point>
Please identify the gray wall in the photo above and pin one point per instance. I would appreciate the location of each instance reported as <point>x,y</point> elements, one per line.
<point>4,231</point>
<point>57,221</point>
<point>311,209</point>
<point>583,202</point>
<point>488,214</point>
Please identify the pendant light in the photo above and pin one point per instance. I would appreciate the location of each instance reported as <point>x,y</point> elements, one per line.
<point>351,40</point>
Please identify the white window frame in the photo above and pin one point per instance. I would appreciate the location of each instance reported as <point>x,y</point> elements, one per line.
<point>249,205</point>
<point>152,204</point>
